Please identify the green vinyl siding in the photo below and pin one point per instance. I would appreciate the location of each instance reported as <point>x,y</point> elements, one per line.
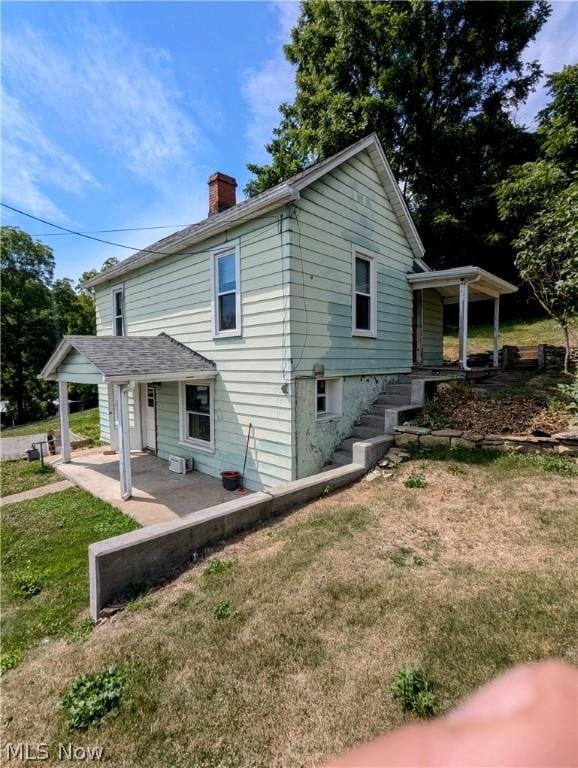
<point>76,368</point>
<point>345,208</point>
<point>433,328</point>
<point>174,295</point>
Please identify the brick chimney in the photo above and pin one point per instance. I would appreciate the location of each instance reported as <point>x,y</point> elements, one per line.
<point>222,193</point>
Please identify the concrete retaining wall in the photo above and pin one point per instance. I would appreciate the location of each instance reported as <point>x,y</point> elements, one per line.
<point>150,555</point>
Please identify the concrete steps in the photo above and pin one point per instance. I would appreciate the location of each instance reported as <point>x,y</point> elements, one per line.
<point>399,402</point>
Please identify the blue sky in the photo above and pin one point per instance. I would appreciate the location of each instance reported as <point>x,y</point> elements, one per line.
<point>115,114</point>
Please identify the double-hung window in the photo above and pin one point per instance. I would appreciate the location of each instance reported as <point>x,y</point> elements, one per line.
<point>364,298</point>
<point>196,406</point>
<point>226,292</point>
<point>118,321</point>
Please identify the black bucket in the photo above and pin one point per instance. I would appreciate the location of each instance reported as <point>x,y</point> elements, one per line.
<point>231,480</point>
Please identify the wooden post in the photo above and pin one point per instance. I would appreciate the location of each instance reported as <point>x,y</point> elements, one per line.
<point>123,437</point>
<point>463,325</point>
<point>64,428</point>
<point>496,330</point>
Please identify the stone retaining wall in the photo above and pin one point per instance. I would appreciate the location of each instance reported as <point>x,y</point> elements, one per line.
<point>562,443</point>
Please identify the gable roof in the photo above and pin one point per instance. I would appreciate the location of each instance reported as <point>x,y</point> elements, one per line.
<point>123,358</point>
<point>276,197</point>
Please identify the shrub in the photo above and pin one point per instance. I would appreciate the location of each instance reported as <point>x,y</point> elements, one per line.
<point>415,481</point>
<point>91,697</point>
<point>222,610</point>
<point>413,690</point>
<point>217,566</point>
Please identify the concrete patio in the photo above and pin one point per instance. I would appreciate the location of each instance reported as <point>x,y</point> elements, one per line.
<point>158,495</point>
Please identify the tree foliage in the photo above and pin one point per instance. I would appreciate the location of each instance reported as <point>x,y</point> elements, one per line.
<point>36,313</point>
<point>541,198</point>
<point>436,82</point>
<point>28,334</point>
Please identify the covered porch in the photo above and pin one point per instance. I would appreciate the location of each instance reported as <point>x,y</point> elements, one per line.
<point>461,286</point>
<point>132,367</point>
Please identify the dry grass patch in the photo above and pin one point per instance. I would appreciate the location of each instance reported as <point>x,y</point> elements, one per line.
<point>322,616</point>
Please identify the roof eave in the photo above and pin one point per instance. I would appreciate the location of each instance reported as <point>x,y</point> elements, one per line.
<point>447,277</point>
<point>149,377</point>
<point>285,194</point>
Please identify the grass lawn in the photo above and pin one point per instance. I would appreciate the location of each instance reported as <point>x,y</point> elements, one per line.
<point>84,423</point>
<point>285,654</point>
<point>45,565</point>
<point>21,475</point>
<point>515,332</point>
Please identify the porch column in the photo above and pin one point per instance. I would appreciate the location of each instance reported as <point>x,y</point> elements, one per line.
<point>463,325</point>
<point>496,330</point>
<point>64,427</point>
<point>123,437</point>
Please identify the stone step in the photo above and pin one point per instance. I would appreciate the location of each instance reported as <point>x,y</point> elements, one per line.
<point>347,445</point>
<point>384,398</point>
<point>342,457</point>
<point>389,400</point>
<point>404,386</point>
<point>371,420</point>
<point>362,433</point>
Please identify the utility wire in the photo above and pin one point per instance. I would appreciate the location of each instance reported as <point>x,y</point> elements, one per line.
<point>120,245</point>
<point>103,231</point>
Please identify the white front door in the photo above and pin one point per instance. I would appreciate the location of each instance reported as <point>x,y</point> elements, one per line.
<point>150,417</point>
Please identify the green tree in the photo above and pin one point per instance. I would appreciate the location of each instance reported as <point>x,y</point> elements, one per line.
<point>541,200</point>
<point>27,325</point>
<point>75,311</point>
<point>437,83</point>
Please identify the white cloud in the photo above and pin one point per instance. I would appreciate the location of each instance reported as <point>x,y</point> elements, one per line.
<point>30,159</point>
<point>264,88</point>
<point>555,45</point>
<point>98,88</point>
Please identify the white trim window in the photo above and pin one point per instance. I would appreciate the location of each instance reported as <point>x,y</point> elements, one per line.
<point>328,398</point>
<point>197,409</point>
<point>226,290</point>
<point>364,294</point>
<point>118,313</point>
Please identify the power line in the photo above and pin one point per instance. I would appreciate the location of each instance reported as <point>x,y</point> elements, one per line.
<point>103,231</point>
<point>121,245</point>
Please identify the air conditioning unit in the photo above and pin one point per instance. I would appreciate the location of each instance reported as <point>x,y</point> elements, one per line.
<point>181,465</point>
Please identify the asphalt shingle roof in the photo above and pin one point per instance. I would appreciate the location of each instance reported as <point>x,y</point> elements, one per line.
<point>139,355</point>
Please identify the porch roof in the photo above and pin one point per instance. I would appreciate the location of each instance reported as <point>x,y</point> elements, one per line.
<point>117,359</point>
<point>482,284</point>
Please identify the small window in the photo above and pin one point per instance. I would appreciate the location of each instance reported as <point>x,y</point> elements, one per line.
<point>328,398</point>
<point>364,319</point>
<point>118,311</point>
<point>226,295</point>
<point>196,403</point>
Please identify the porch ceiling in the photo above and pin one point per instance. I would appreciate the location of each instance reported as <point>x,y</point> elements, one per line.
<point>118,359</point>
<point>482,285</point>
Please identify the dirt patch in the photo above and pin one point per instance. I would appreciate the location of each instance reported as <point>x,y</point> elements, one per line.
<point>460,406</point>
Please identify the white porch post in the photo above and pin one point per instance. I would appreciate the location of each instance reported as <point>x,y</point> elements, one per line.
<point>463,325</point>
<point>123,437</point>
<point>496,330</point>
<point>64,428</point>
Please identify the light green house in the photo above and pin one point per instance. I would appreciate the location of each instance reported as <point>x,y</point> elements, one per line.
<point>297,307</point>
